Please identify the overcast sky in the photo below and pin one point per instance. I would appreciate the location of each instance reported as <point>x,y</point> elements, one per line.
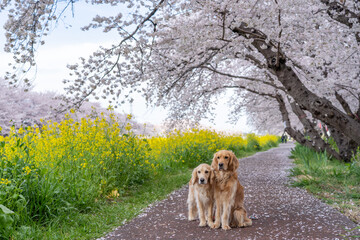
<point>66,43</point>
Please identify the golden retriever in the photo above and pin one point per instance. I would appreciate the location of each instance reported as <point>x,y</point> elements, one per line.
<point>201,195</point>
<point>228,192</point>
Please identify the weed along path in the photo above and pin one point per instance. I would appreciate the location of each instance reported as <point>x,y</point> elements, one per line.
<point>283,212</point>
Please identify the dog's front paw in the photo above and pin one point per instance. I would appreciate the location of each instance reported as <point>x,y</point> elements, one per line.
<point>191,218</point>
<point>211,224</point>
<point>202,224</point>
<point>216,225</point>
<point>226,227</point>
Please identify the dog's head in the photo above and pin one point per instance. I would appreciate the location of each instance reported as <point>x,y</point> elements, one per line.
<point>225,160</point>
<point>202,174</point>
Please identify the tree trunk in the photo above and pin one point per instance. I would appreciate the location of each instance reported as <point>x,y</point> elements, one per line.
<point>319,107</point>
<point>347,147</point>
<point>318,142</point>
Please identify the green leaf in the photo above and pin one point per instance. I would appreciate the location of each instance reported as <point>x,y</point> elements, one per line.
<point>5,209</point>
<point>5,221</point>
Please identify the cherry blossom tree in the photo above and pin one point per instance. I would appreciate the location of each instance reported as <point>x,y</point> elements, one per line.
<point>19,108</point>
<point>297,61</point>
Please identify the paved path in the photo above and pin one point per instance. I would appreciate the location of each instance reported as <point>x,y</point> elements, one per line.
<point>284,212</point>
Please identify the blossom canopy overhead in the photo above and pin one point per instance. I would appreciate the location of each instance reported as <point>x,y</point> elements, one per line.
<point>286,63</point>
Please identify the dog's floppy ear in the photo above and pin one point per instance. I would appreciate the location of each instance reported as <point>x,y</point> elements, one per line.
<point>234,162</point>
<point>194,177</point>
<point>211,176</point>
<point>214,163</point>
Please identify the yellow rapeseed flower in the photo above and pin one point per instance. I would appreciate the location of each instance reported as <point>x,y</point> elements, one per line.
<point>114,194</point>
<point>128,127</point>
<point>92,147</point>
<point>5,181</point>
<point>27,170</point>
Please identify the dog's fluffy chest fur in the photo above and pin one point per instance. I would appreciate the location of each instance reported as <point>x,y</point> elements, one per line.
<point>204,192</point>
<point>224,179</point>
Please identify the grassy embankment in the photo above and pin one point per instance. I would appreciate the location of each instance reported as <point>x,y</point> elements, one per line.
<point>334,182</point>
<point>77,180</point>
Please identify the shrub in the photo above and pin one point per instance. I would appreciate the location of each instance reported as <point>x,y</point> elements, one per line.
<point>188,148</point>
<point>252,142</point>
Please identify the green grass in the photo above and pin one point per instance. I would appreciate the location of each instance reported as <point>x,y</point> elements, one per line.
<point>113,213</point>
<point>109,214</point>
<point>334,182</point>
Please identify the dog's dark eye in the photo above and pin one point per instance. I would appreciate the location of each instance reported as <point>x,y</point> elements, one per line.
<point>198,171</point>
<point>226,157</point>
<point>206,171</point>
<point>218,157</point>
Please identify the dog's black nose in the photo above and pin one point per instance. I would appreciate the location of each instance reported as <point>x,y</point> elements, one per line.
<point>221,165</point>
<point>202,180</point>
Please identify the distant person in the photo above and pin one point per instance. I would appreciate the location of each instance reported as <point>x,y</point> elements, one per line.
<point>284,138</point>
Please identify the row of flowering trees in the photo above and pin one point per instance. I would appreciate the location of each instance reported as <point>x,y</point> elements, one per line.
<point>289,62</point>
<point>21,109</point>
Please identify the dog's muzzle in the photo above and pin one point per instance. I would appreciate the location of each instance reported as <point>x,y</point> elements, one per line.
<point>221,166</point>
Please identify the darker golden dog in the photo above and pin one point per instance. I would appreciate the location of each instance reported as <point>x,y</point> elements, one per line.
<point>228,192</point>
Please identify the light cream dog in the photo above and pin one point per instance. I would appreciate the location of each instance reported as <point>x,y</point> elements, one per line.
<point>201,195</point>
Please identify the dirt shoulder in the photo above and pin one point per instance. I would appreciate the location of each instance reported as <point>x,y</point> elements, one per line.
<point>284,212</point>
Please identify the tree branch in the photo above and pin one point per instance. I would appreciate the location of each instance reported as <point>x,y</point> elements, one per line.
<point>343,15</point>
<point>111,68</point>
<point>321,108</point>
<point>244,77</point>
<point>345,106</point>
<point>240,87</point>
